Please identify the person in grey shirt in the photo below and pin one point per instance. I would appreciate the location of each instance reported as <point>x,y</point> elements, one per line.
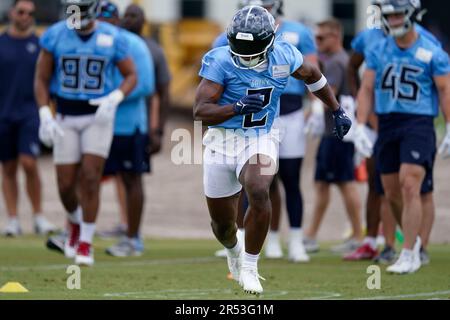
<point>334,160</point>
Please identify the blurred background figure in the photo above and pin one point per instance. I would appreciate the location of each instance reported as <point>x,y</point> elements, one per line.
<point>334,160</point>
<point>19,117</point>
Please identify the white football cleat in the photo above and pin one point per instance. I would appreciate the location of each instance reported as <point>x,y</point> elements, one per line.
<point>43,226</point>
<point>71,243</point>
<point>297,252</point>
<point>404,264</point>
<point>249,281</point>
<point>85,255</point>
<point>417,262</point>
<point>13,228</point>
<point>234,264</point>
<point>273,246</point>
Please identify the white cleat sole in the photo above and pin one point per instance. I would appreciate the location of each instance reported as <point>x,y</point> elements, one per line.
<point>84,261</point>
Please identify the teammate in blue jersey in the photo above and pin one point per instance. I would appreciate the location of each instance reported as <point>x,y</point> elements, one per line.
<point>377,208</point>
<point>293,141</point>
<point>19,119</point>
<point>410,75</point>
<point>80,58</point>
<point>238,98</point>
<point>129,156</point>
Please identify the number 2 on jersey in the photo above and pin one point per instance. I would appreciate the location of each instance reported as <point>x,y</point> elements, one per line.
<point>249,122</point>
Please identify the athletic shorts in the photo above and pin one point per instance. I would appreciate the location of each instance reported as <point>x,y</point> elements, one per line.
<point>334,161</point>
<point>82,135</point>
<point>19,138</point>
<point>405,139</point>
<point>224,159</point>
<point>129,154</point>
<point>293,138</point>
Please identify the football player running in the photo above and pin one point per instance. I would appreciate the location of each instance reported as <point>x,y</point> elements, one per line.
<point>409,74</point>
<point>238,98</point>
<point>76,65</point>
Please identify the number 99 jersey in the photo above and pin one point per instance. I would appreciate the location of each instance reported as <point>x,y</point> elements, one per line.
<point>404,77</point>
<point>269,81</point>
<point>84,68</point>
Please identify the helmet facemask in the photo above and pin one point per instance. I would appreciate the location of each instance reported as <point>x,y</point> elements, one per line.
<point>251,61</point>
<point>411,13</point>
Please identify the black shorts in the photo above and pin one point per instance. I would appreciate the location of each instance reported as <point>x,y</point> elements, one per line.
<point>334,161</point>
<point>407,139</point>
<point>129,154</point>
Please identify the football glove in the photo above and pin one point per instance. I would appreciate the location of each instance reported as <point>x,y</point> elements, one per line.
<point>315,125</point>
<point>49,129</point>
<point>107,106</point>
<point>363,144</point>
<point>342,123</point>
<point>444,149</point>
<point>249,104</point>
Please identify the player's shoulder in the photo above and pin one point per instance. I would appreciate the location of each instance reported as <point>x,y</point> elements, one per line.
<point>431,44</point>
<point>57,28</point>
<point>133,38</point>
<point>219,56</point>
<point>427,34</point>
<point>284,48</point>
<point>107,28</point>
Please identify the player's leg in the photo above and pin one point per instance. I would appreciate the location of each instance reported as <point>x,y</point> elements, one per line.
<point>321,202</point>
<point>368,250</point>
<point>388,254</point>
<point>11,195</point>
<point>256,176</point>
<point>352,202</point>
<point>428,216</point>
<point>273,242</point>
<point>289,174</point>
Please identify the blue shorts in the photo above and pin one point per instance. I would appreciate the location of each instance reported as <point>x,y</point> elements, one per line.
<point>129,154</point>
<point>334,161</point>
<point>19,138</point>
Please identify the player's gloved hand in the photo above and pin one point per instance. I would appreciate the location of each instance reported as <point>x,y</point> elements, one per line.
<point>107,106</point>
<point>48,128</point>
<point>444,149</point>
<point>363,144</point>
<point>342,123</point>
<point>252,103</point>
<point>315,125</point>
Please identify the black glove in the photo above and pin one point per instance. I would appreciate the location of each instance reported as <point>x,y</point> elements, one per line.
<point>249,104</point>
<point>342,123</point>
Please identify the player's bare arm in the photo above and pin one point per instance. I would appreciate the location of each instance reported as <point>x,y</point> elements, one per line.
<point>206,108</point>
<point>312,75</point>
<point>356,60</point>
<point>128,71</point>
<point>443,87</point>
<point>44,71</point>
<point>365,96</point>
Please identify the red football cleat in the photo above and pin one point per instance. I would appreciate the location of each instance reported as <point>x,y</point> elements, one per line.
<point>365,252</point>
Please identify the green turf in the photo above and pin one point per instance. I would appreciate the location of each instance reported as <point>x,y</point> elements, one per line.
<point>185,269</point>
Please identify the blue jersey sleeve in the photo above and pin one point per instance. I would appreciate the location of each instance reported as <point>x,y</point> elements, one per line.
<point>145,69</point>
<point>121,47</point>
<point>371,59</point>
<point>294,56</point>
<point>50,38</point>
<point>307,42</point>
<point>440,64</point>
<point>358,43</point>
<point>211,68</point>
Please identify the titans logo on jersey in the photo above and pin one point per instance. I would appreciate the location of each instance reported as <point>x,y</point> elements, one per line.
<point>270,82</point>
<point>84,68</point>
<point>404,78</point>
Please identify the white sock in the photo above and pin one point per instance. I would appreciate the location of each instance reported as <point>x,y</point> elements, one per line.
<point>296,234</point>
<point>87,232</point>
<point>250,261</point>
<point>273,236</point>
<point>236,250</point>
<point>241,234</point>
<point>407,253</point>
<point>371,241</point>
<point>76,216</point>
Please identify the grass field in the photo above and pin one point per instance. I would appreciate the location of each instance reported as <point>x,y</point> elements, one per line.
<point>186,269</point>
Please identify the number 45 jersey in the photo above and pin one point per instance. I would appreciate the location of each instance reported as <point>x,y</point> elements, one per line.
<point>269,81</point>
<point>84,67</point>
<point>404,77</point>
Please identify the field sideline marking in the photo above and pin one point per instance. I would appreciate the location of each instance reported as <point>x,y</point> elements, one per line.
<point>115,263</point>
<point>412,295</point>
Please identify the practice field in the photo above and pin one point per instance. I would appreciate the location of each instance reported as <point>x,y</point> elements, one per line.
<point>186,269</point>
